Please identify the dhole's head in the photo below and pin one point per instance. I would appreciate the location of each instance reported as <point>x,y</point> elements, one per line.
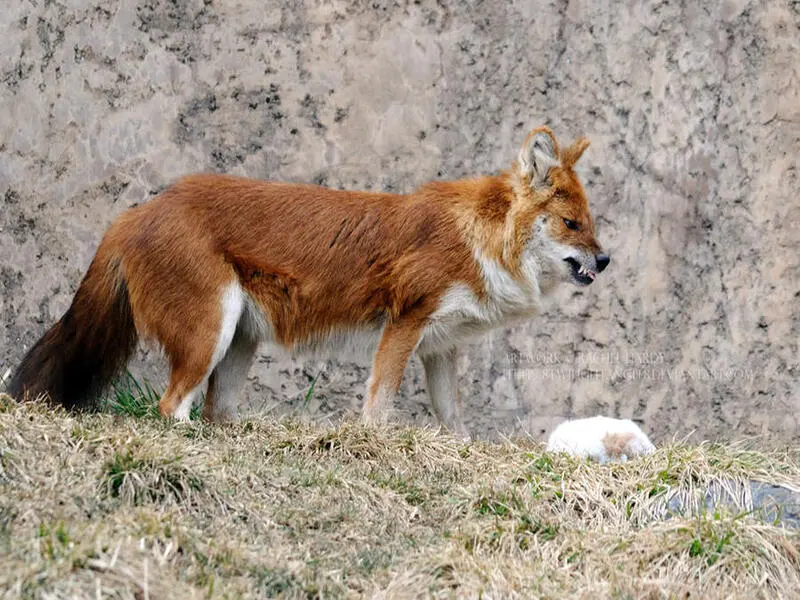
<point>563,231</point>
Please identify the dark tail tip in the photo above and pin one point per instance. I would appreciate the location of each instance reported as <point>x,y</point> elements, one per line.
<point>77,358</point>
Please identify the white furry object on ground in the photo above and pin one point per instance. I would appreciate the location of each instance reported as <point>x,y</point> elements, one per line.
<point>600,438</point>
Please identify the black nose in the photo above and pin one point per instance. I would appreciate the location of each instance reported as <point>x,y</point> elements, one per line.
<point>602,262</point>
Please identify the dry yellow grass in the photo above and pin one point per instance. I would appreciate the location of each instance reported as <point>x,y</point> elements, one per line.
<point>98,505</point>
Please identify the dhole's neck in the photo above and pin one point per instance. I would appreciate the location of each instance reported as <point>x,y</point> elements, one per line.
<point>495,213</point>
<point>480,207</point>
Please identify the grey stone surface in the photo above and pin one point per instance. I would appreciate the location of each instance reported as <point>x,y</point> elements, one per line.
<point>694,115</point>
<point>768,502</point>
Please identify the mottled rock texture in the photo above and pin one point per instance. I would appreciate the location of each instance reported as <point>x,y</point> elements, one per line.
<point>694,115</point>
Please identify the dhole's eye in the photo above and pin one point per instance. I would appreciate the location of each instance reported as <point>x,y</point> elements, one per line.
<point>572,224</point>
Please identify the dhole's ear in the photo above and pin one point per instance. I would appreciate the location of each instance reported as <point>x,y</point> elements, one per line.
<point>574,152</point>
<point>538,154</point>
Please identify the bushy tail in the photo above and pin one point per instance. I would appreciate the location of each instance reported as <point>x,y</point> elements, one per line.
<point>77,358</point>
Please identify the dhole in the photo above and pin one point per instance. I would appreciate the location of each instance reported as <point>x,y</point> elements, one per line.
<point>217,264</point>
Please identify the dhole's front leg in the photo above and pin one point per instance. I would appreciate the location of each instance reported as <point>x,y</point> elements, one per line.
<point>397,343</point>
<point>441,378</point>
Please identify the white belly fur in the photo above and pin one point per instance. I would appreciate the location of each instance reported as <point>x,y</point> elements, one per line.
<point>461,316</point>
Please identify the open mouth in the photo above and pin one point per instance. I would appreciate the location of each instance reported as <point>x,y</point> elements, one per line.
<point>580,273</point>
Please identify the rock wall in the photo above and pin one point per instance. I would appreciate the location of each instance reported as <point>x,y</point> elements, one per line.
<point>694,116</point>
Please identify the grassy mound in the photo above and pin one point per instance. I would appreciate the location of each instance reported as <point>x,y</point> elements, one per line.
<point>134,507</point>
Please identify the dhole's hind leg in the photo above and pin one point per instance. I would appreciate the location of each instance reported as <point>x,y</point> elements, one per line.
<point>227,379</point>
<point>185,388</point>
<point>194,356</point>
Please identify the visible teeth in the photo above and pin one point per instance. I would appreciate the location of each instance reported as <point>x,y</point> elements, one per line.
<point>582,270</point>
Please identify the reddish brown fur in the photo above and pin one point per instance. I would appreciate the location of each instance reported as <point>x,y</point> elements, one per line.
<point>317,260</point>
<point>563,198</point>
<point>356,258</point>
<point>616,444</point>
<point>74,360</point>
<point>568,201</point>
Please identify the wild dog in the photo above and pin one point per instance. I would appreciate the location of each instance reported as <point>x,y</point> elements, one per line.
<point>217,264</point>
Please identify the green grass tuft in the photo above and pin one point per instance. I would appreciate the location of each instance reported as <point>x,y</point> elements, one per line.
<point>137,508</point>
<point>138,479</point>
<point>132,398</point>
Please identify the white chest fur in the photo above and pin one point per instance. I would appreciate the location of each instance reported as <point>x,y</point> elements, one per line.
<point>462,315</point>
